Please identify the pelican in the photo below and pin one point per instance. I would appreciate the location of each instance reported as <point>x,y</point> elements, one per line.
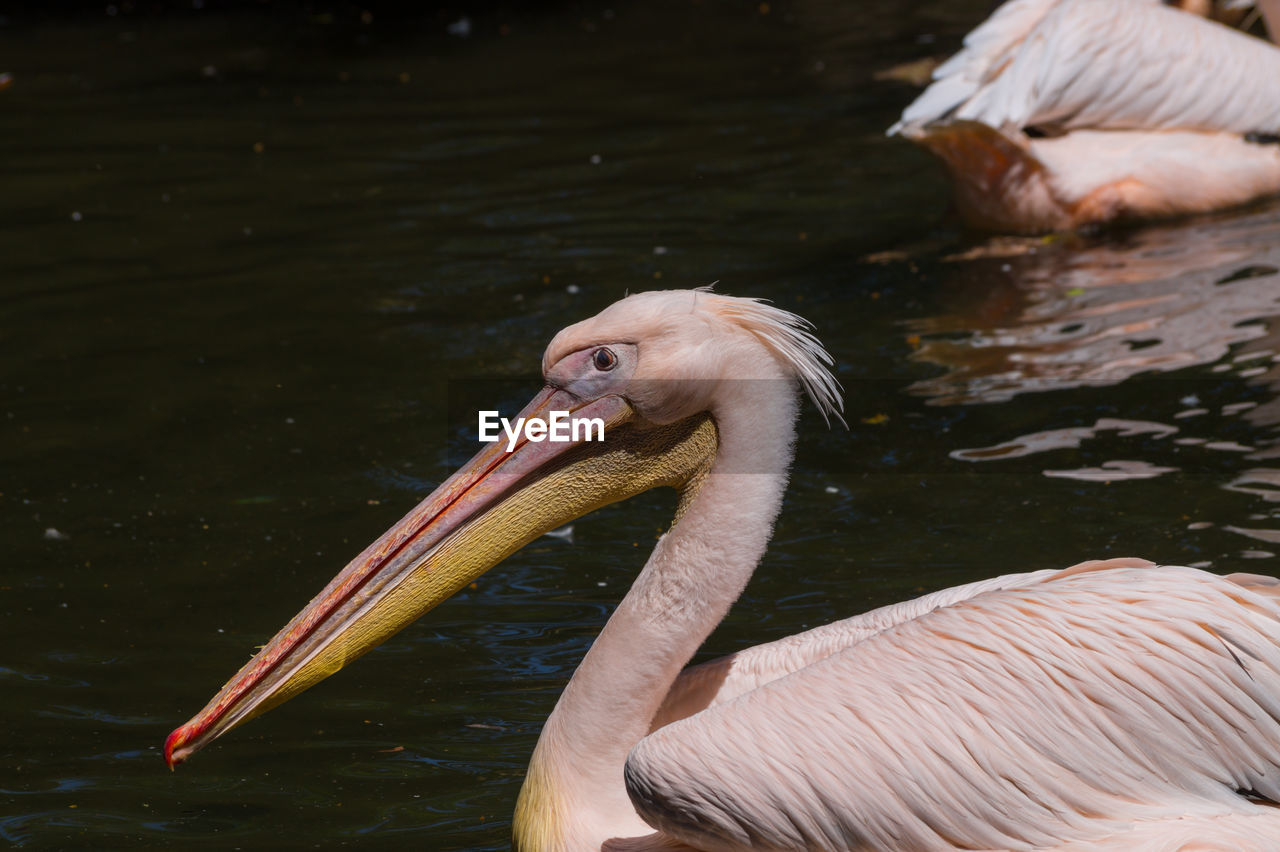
<point>1107,706</point>
<point>1061,113</point>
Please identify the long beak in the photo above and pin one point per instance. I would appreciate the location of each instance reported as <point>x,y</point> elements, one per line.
<point>494,505</point>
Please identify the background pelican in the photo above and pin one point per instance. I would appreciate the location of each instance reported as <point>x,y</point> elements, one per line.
<point>1061,113</point>
<point>1112,705</point>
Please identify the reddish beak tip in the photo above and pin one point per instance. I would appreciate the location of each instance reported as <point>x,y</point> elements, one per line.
<point>174,742</point>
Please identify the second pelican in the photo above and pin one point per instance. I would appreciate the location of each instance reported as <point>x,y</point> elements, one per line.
<point>1062,113</point>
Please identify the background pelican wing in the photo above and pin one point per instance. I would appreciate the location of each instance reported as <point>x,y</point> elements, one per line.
<point>1105,65</point>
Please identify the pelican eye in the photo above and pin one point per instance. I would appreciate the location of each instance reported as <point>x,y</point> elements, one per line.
<point>604,359</point>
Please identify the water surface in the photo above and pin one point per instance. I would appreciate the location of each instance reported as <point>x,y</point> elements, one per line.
<point>253,270</point>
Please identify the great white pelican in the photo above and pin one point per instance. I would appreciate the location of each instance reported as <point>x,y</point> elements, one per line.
<point>1113,705</point>
<point>1062,113</point>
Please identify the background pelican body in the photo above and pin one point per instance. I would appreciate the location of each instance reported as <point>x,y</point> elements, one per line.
<point>1113,705</point>
<point>1061,113</point>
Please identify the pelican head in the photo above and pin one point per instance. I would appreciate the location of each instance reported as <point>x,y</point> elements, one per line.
<point>659,370</point>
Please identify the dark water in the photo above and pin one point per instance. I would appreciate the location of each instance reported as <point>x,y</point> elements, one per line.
<point>249,265</point>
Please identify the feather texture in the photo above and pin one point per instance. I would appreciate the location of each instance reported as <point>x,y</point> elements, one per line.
<point>1159,123</point>
<point>1048,709</point>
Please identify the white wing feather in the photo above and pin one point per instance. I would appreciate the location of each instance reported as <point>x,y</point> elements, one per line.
<point>725,678</point>
<point>1102,700</point>
<point>1104,64</point>
<point>986,50</point>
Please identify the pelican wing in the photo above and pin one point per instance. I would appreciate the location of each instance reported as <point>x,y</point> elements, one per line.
<point>1104,64</point>
<point>986,51</point>
<point>725,678</point>
<point>1096,701</point>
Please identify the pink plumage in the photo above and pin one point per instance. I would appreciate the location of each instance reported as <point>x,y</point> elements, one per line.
<point>1062,113</point>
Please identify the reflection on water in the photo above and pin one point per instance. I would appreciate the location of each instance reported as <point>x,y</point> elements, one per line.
<point>1079,312</point>
<point>1057,439</point>
<point>1112,470</point>
<point>1261,482</point>
<point>1197,303</point>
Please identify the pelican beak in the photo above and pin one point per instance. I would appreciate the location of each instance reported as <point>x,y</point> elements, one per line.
<point>494,505</point>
